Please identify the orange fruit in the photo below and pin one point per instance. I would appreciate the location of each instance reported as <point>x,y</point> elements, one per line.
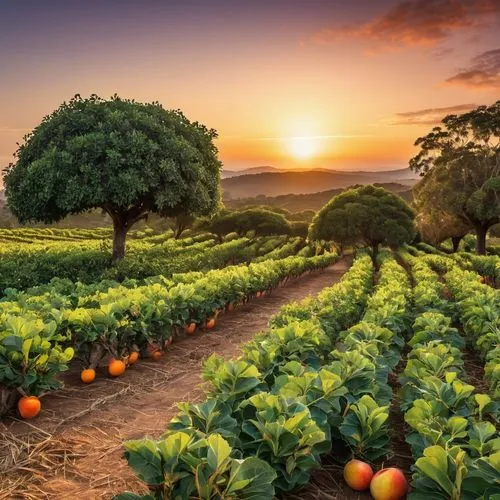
<point>116,367</point>
<point>133,357</point>
<point>156,355</point>
<point>29,406</point>
<point>210,324</point>
<point>87,376</point>
<point>190,329</point>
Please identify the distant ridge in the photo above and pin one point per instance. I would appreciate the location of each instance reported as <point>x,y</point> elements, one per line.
<point>405,172</point>
<point>304,182</point>
<point>312,201</point>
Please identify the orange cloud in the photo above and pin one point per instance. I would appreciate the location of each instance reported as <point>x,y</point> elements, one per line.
<point>483,73</point>
<point>429,116</point>
<point>417,23</point>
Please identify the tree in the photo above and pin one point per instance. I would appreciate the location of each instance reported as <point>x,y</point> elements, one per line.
<point>299,228</point>
<point>127,158</point>
<point>303,216</point>
<point>436,226</point>
<point>260,222</point>
<point>367,215</point>
<point>180,223</point>
<point>460,165</point>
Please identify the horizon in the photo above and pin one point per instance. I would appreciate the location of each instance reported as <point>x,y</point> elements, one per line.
<point>318,86</point>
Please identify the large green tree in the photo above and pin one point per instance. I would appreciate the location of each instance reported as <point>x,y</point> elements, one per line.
<point>367,216</point>
<point>127,158</point>
<point>460,165</point>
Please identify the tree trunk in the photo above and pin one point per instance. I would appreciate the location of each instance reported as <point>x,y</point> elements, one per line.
<point>120,230</point>
<point>455,241</point>
<point>481,239</point>
<point>375,254</point>
<point>178,233</point>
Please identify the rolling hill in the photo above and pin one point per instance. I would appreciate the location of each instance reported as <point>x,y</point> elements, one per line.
<point>311,201</point>
<point>305,182</point>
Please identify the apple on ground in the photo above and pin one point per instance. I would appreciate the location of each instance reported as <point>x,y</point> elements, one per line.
<point>358,474</point>
<point>388,484</point>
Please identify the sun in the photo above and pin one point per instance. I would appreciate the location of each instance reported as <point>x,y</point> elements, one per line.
<point>302,147</point>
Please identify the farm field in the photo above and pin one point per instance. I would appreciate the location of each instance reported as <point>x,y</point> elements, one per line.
<point>82,410</point>
<point>401,327</point>
<point>250,250</point>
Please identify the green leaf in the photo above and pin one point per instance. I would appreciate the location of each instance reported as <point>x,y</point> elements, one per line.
<point>144,457</point>
<point>434,464</point>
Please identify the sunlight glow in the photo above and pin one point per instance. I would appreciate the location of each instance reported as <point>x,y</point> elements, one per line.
<point>302,147</point>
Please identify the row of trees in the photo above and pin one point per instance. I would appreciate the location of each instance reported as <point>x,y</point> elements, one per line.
<point>460,189</point>
<point>132,159</point>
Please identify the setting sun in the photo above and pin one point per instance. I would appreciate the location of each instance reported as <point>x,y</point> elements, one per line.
<point>302,147</point>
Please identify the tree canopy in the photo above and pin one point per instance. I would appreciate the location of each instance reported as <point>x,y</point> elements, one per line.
<point>125,157</point>
<point>366,215</point>
<point>436,226</point>
<point>260,222</point>
<point>460,165</point>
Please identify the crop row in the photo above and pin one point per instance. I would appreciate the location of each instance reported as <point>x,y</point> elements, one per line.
<point>70,294</point>
<point>478,309</point>
<point>311,383</point>
<point>26,267</point>
<point>37,343</point>
<point>453,437</point>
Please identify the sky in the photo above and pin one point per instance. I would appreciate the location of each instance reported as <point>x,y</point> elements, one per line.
<point>339,84</point>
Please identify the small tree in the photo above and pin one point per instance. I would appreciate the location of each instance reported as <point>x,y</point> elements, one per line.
<point>436,226</point>
<point>127,158</point>
<point>460,165</point>
<point>367,215</point>
<point>180,223</point>
<point>260,222</point>
<point>299,228</point>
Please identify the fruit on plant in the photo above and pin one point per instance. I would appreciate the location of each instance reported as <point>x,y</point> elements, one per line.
<point>133,357</point>
<point>258,294</point>
<point>190,329</point>
<point>210,324</point>
<point>156,355</point>
<point>29,406</point>
<point>87,376</point>
<point>116,367</point>
<point>483,279</point>
<point>358,474</point>
<point>388,484</point>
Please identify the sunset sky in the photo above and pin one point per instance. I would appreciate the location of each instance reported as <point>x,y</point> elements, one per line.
<point>289,83</point>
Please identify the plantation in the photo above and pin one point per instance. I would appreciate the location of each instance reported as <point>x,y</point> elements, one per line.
<point>354,351</point>
<point>323,382</point>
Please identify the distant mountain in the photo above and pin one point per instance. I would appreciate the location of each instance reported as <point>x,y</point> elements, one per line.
<point>313,201</point>
<point>305,182</point>
<point>248,171</point>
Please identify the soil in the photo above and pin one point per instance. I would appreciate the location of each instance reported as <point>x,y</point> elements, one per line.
<point>73,449</point>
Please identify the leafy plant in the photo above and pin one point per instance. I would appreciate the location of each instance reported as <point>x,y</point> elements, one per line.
<point>366,429</point>
<point>184,466</point>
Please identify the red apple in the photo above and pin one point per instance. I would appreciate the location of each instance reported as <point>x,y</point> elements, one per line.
<point>358,474</point>
<point>388,484</point>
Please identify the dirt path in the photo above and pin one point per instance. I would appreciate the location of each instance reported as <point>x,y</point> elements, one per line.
<point>74,449</point>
